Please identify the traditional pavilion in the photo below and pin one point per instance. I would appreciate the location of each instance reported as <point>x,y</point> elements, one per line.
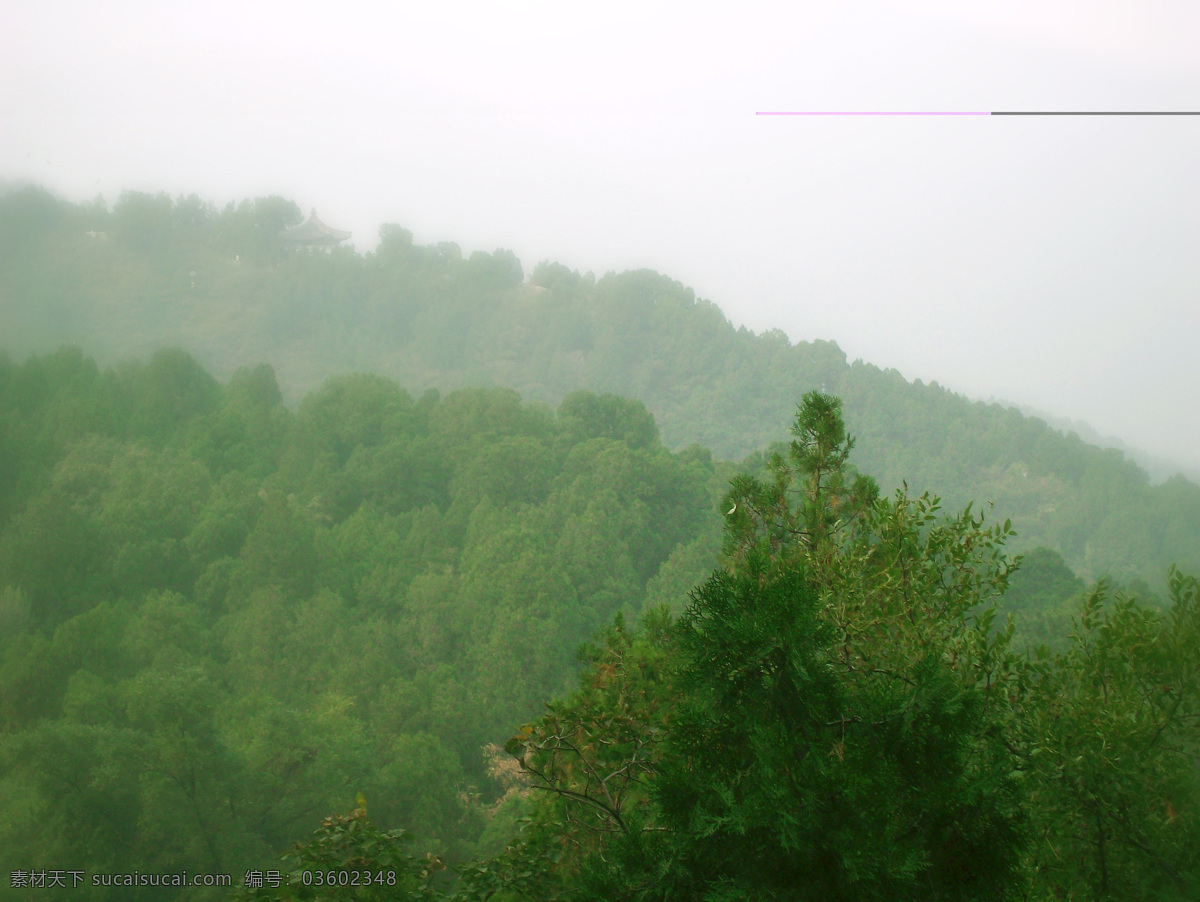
<point>313,233</point>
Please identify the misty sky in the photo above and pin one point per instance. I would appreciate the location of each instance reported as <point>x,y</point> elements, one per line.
<point>1046,261</point>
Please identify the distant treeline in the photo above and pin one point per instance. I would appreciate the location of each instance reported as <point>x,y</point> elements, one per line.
<point>153,272</point>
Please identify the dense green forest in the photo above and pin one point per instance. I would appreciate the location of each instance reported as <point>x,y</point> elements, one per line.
<point>220,620</point>
<point>151,272</point>
<point>221,623</point>
<point>838,716</point>
<point>237,608</point>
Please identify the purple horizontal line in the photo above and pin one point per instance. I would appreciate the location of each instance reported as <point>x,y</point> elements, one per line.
<point>856,113</point>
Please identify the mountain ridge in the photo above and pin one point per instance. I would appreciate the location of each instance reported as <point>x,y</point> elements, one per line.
<point>154,272</point>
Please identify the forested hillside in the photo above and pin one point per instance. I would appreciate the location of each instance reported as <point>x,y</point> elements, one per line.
<point>152,272</point>
<point>836,717</point>
<point>220,621</point>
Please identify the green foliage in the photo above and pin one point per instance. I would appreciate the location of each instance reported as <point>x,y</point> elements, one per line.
<point>839,693</point>
<point>821,723</point>
<point>348,859</point>
<point>814,769</point>
<point>1043,594</point>
<point>219,619</point>
<point>1044,581</point>
<point>1109,743</point>
<point>836,716</point>
<point>607,416</point>
<point>251,229</point>
<point>762,520</point>
<point>153,272</point>
<point>608,760</point>
<point>143,221</point>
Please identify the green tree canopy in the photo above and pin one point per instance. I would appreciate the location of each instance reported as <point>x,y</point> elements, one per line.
<point>837,716</point>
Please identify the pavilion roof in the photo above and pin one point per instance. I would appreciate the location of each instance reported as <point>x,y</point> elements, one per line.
<point>314,232</point>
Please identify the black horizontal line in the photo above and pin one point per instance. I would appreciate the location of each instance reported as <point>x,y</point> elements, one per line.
<point>1095,113</point>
